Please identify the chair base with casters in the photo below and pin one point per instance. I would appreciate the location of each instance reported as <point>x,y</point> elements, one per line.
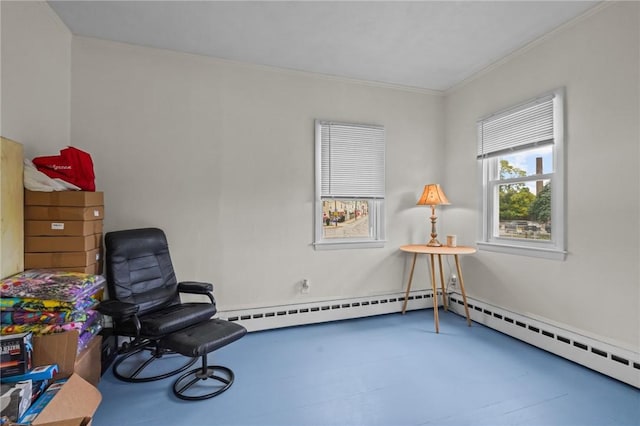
<point>131,366</point>
<point>155,354</point>
<point>198,341</point>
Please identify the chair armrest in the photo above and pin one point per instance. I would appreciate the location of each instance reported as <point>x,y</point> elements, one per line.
<point>117,309</point>
<point>195,287</point>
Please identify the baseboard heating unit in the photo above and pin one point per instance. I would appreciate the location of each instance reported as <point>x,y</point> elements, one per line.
<point>613,361</point>
<point>332,310</point>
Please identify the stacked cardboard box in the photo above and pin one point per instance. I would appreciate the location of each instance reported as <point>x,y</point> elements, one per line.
<point>78,374</point>
<point>56,357</point>
<point>63,230</point>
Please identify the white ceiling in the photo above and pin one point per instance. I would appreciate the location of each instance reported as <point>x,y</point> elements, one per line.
<point>425,44</point>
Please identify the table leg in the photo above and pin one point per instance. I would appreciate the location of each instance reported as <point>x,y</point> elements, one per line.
<point>406,295</point>
<point>435,294</point>
<point>444,295</point>
<point>464,294</point>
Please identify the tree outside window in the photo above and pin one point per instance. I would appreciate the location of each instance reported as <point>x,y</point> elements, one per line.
<point>521,163</point>
<point>524,206</point>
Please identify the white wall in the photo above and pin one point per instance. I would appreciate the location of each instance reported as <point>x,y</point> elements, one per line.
<point>596,290</point>
<point>36,77</point>
<point>221,156</point>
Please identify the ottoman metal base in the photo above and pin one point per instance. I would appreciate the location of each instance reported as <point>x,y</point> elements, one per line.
<point>222,376</point>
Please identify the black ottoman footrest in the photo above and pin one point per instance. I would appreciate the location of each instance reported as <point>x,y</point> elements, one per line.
<point>198,341</point>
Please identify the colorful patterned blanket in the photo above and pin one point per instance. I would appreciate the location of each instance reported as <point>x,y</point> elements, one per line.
<point>41,329</point>
<point>88,334</point>
<point>50,285</point>
<point>37,305</point>
<point>45,302</point>
<point>19,316</point>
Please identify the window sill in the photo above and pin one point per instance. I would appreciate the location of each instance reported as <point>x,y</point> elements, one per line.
<point>348,245</point>
<point>544,253</point>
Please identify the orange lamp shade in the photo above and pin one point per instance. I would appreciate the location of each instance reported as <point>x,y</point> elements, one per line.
<point>432,195</point>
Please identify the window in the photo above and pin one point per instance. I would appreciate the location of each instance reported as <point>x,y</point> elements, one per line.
<point>349,202</point>
<point>521,161</point>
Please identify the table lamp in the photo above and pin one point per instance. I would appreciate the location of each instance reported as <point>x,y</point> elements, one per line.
<point>432,196</point>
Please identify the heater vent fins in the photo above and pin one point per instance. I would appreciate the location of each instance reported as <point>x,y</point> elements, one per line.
<point>594,355</point>
<point>620,359</point>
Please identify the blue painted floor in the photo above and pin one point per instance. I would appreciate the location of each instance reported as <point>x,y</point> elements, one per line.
<point>384,370</point>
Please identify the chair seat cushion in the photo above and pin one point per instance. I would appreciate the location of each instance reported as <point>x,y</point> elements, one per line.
<point>171,319</point>
<point>200,339</point>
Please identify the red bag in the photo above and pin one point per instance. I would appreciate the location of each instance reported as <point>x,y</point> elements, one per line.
<point>72,165</point>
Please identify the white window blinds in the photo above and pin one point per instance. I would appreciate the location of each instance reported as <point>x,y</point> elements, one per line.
<point>352,160</point>
<point>522,127</point>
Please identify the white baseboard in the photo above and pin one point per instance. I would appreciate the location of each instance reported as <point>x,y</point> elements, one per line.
<point>329,310</point>
<point>613,361</point>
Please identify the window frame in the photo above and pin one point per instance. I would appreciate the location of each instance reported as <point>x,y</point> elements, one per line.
<point>376,204</point>
<point>488,170</point>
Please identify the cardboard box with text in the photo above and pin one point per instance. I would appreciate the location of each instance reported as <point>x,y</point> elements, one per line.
<point>69,228</point>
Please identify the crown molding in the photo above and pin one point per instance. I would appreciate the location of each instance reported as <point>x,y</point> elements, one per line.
<point>531,45</point>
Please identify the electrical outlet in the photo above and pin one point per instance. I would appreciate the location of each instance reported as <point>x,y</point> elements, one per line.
<point>453,280</point>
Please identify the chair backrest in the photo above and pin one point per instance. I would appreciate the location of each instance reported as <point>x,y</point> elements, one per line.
<point>139,269</point>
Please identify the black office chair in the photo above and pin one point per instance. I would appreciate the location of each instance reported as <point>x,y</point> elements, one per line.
<point>144,301</point>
